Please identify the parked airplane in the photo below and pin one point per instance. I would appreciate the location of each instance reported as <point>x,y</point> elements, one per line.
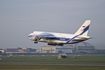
<point>61,38</point>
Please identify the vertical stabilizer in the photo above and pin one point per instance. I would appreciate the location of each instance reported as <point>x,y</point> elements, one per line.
<point>83,30</point>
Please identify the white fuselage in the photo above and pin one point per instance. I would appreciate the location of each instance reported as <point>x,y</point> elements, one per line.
<point>59,38</point>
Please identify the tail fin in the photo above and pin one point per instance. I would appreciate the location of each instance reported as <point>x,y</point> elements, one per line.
<point>83,30</point>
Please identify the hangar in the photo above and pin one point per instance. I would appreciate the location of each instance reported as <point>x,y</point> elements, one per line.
<point>55,49</point>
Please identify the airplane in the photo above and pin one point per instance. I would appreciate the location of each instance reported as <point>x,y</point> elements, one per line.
<point>60,39</point>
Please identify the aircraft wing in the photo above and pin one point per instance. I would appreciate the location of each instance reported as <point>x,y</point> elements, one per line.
<point>46,36</point>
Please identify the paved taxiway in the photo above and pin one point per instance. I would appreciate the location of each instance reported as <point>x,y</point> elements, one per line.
<point>44,63</point>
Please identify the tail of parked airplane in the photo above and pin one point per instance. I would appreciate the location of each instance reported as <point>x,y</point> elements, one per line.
<point>83,30</point>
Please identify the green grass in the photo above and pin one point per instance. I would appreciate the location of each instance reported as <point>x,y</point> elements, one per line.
<point>76,59</point>
<point>47,67</point>
<point>53,59</point>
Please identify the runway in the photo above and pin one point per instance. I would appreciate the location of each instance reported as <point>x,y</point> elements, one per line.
<point>49,63</point>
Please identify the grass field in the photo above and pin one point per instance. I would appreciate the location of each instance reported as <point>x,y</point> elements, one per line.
<point>53,59</point>
<point>36,67</point>
<point>76,59</point>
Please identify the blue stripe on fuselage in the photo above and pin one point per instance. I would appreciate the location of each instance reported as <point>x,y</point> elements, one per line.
<point>63,39</point>
<point>66,39</point>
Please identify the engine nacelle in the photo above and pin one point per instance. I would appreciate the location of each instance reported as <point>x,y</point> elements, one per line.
<point>54,44</point>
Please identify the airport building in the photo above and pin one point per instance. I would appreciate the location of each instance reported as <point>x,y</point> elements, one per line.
<point>48,49</point>
<point>54,49</point>
<point>86,48</point>
<point>11,50</point>
<point>19,50</point>
<point>64,50</point>
<point>1,51</point>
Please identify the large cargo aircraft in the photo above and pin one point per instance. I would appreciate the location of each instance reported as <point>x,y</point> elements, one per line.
<point>61,39</point>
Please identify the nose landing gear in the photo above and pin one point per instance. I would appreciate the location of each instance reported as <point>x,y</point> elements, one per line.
<point>35,42</point>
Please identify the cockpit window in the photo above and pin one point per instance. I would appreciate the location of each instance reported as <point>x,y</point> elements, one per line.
<point>30,36</point>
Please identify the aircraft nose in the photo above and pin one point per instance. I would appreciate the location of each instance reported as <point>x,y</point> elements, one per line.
<point>29,36</point>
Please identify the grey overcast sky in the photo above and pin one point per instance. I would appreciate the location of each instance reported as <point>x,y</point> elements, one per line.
<point>18,18</point>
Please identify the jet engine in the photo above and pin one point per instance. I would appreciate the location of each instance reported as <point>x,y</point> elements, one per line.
<point>52,43</point>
